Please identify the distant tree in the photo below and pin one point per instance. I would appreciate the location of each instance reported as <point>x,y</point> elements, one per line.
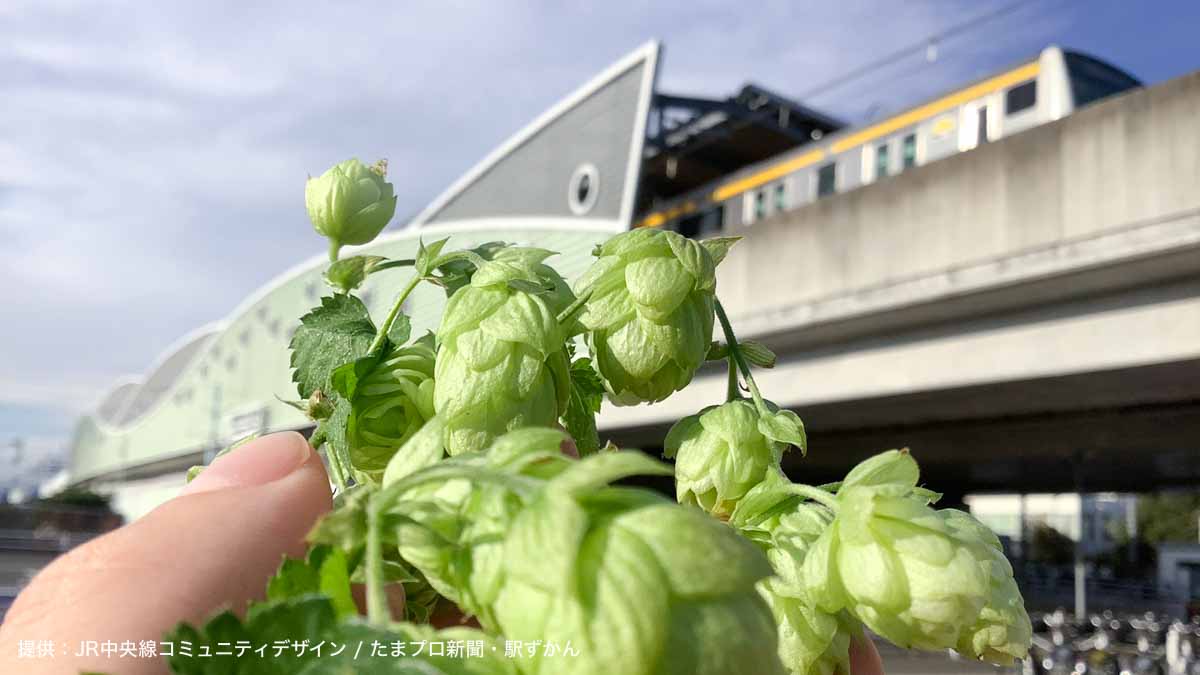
<point>1048,545</point>
<point>1168,517</point>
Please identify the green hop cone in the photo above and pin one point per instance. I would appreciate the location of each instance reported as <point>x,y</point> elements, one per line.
<point>350,203</point>
<point>649,316</point>
<point>892,562</point>
<point>502,363</point>
<point>1002,633</point>
<point>720,454</point>
<point>616,571</point>
<point>810,639</point>
<point>389,404</point>
<point>457,534</point>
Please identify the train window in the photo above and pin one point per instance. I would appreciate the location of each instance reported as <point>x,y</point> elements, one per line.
<point>780,197</point>
<point>1020,97</point>
<point>827,179</point>
<point>908,151</point>
<point>760,204</point>
<point>882,160</point>
<point>982,126</point>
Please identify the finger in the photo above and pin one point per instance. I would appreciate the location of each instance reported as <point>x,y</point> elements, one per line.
<point>864,658</point>
<point>214,546</point>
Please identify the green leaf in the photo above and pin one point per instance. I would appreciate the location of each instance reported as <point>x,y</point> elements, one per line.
<point>718,247</point>
<point>345,527</point>
<point>758,354</point>
<point>783,426</point>
<point>336,429</point>
<point>401,329</point>
<point>587,395</point>
<point>427,255</point>
<point>324,571</point>
<point>348,274</point>
<point>337,332</point>
<point>717,351</point>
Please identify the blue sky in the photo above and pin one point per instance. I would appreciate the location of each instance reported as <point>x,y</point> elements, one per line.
<point>152,155</point>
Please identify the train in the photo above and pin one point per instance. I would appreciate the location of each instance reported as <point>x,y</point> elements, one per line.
<point>1036,91</point>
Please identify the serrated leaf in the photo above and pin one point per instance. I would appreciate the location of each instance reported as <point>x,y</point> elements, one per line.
<point>401,330</point>
<point>427,255</point>
<point>336,333</point>
<point>587,395</point>
<point>783,426</point>
<point>336,429</point>
<point>758,354</point>
<point>348,274</point>
<point>324,571</point>
<point>718,247</point>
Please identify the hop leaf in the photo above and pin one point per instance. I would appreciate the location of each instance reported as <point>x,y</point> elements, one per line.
<point>758,354</point>
<point>336,333</point>
<point>587,395</point>
<point>347,274</point>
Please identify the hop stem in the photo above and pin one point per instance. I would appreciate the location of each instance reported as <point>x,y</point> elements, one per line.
<point>737,358</point>
<point>573,308</point>
<point>815,494</point>
<point>384,327</point>
<point>377,604</point>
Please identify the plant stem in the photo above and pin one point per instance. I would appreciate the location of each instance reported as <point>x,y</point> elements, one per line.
<point>732,393</point>
<point>399,262</point>
<point>377,604</point>
<point>334,248</point>
<point>574,307</point>
<point>384,327</point>
<point>335,467</point>
<point>815,494</point>
<point>736,356</point>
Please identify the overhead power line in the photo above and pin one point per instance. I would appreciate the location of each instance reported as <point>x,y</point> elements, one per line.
<point>914,48</point>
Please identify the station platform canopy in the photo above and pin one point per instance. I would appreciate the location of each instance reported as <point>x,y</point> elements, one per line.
<point>691,141</point>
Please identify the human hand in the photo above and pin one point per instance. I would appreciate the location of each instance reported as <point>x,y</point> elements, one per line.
<point>213,546</point>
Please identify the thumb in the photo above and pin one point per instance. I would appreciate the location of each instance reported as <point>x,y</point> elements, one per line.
<point>213,546</point>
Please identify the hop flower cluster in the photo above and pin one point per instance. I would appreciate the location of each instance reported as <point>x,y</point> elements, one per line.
<point>456,478</point>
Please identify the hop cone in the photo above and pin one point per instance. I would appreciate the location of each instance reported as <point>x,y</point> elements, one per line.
<point>502,364</point>
<point>892,561</point>
<point>1002,633</point>
<point>649,317</point>
<point>810,639</point>
<point>390,403</point>
<point>720,454</point>
<point>615,571</point>
<point>350,203</point>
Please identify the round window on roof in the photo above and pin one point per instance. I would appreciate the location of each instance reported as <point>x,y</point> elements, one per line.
<point>583,189</point>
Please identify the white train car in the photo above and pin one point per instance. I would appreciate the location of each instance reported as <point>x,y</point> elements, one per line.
<point>1031,93</point>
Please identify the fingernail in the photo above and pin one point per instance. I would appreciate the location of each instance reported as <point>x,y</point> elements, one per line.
<point>258,462</point>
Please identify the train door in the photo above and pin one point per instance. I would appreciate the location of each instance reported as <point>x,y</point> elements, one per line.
<point>974,128</point>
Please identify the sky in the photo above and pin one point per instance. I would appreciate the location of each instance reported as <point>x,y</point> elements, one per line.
<point>153,155</point>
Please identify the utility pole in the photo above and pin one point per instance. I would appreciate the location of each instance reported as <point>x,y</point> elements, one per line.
<point>1080,565</point>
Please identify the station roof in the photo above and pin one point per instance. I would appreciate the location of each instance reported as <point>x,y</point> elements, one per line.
<point>691,141</point>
